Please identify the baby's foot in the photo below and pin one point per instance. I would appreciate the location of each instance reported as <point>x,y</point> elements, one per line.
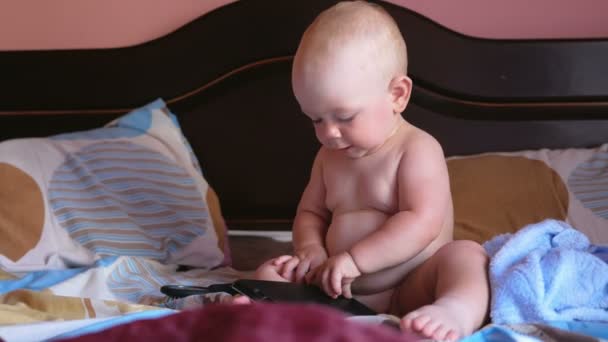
<point>435,321</point>
<point>238,299</point>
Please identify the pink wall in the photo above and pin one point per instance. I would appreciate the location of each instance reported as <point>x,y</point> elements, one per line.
<point>517,18</point>
<point>63,24</point>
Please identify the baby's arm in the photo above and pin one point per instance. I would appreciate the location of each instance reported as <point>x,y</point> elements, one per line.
<point>424,204</point>
<point>311,222</point>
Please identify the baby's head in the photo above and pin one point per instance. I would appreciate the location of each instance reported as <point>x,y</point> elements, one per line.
<point>349,76</point>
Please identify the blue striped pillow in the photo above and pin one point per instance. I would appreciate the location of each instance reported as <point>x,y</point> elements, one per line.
<point>133,187</point>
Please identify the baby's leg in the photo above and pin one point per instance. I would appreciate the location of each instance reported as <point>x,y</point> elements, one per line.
<point>447,297</point>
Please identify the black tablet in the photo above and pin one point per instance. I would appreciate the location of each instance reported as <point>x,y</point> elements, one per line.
<point>274,291</point>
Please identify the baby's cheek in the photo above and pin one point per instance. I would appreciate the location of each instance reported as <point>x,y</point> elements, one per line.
<point>319,136</point>
<point>370,137</point>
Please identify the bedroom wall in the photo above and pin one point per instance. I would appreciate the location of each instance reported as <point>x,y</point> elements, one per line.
<point>63,24</point>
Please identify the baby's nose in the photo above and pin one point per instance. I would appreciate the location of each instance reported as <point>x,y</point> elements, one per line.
<point>332,130</point>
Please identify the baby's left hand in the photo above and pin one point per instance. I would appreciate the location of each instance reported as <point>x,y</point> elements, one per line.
<point>336,275</point>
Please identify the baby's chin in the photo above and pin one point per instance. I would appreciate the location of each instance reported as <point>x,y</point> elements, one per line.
<point>355,152</point>
<point>350,151</point>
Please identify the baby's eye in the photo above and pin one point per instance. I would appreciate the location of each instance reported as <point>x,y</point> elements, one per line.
<point>347,119</point>
<point>316,121</point>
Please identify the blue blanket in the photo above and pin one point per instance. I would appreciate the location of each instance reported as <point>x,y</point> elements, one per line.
<point>547,272</point>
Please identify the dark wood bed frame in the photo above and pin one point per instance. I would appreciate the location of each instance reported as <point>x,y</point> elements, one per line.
<point>226,75</point>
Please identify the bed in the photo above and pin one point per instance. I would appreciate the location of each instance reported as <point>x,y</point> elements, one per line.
<point>181,160</point>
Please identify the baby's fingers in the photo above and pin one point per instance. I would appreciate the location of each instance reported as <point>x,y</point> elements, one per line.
<point>301,270</point>
<point>310,277</point>
<point>328,286</point>
<point>346,290</point>
<point>288,268</point>
<point>278,261</point>
<point>336,282</point>
<point>325,285</point>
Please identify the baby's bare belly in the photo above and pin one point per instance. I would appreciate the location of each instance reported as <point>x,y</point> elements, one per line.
<point>348,228</point>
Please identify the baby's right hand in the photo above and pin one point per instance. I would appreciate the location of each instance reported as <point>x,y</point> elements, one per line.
<point>310,257</point>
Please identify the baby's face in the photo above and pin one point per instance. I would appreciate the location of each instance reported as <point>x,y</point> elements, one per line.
<point>350,107</point>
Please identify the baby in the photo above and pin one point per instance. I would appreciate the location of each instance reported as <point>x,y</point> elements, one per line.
<point>376,218</point>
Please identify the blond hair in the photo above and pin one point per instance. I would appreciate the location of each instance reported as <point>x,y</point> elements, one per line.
<point>351,22</point>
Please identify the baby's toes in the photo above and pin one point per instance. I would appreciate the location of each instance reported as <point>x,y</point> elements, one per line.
<point>421,322</point>
<point>415,321</point>
<point>452,335</point>
<point>444,333</point>
<point>407,320</point>
<point>441,333</point>
<point>430,327</point>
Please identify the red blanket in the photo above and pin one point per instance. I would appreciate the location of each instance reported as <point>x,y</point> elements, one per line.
<point>255,322</point>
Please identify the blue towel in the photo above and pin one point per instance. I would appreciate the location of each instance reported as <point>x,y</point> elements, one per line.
<point>547,272</point>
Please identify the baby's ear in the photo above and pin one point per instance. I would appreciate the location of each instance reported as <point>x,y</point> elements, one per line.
<point>400,89</point>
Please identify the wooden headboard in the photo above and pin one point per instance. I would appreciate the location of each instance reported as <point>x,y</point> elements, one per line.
<point>227,77</point>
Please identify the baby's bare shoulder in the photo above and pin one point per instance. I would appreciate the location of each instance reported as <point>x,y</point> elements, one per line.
<point>416,143</point>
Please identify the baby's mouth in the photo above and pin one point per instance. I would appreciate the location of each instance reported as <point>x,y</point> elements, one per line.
<point>338,146</point>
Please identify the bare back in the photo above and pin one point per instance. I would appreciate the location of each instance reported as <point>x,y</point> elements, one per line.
<point>363,193</point>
